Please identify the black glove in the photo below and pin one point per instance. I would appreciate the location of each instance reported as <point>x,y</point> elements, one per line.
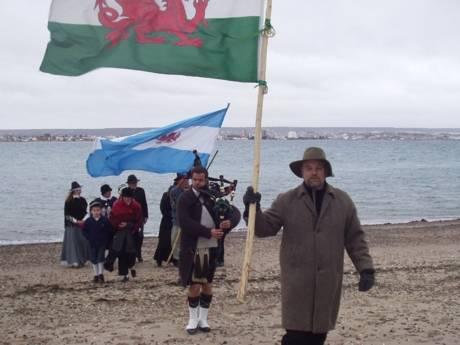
<point>367,280</point>
<point>250,197</point>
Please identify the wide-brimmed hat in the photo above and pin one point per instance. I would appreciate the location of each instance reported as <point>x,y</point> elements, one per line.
<point>127,192</point>
<point>132,179</point>
<point>75,185</point>
<point>105,188</point>
<point>312,153</point>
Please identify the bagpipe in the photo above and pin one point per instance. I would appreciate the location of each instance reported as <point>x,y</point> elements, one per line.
<point>220,190</point>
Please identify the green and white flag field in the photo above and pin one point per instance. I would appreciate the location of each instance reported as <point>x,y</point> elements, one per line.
<point>204,38</point>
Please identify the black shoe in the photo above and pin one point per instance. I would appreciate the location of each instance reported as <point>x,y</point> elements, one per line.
<point>133,273</point>
<point>205,329</point>
<point>125,279</point>
<point>108,267</point>
<point>192,331</point>
<point>101,278</point>
<point>96,279</point>
<point>175,262</point>
<point>139,259</point>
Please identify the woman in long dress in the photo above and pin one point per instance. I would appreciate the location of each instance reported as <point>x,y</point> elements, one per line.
<point>164,236</point>
<point>75,248</point>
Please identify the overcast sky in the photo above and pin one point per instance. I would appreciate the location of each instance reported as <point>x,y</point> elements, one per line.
<point>349,63</point>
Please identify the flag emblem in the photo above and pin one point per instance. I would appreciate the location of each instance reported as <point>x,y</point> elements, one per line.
<point>149,18</point>
<point>168,138</point>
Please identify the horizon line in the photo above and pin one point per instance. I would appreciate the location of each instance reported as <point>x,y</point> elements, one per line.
<point>230,127</point>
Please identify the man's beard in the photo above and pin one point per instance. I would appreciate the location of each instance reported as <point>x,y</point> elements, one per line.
<point>205,187</point>
<point>316,184</point>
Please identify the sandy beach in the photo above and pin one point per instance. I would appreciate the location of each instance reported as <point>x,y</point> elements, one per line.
<point>415,300</point>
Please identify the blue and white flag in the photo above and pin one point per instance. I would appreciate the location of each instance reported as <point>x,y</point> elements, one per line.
<point>163,150</point>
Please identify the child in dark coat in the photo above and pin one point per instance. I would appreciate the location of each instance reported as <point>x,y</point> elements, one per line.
<point>97,230</point>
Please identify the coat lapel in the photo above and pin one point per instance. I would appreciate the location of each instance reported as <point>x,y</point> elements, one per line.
<point>325,204</point>
<point>328,196</point>
<point>302,194</point>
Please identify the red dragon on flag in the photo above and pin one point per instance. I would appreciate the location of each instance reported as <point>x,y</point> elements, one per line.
<point>149,17</point>
<point>168,138</point>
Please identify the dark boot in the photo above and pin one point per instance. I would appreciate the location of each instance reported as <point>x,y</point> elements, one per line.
<point>301,338</point>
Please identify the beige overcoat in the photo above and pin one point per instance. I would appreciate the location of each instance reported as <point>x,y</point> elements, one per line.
<point>312,254</point>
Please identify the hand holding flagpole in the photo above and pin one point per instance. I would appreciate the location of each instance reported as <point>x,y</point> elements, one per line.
<point>266,33</point>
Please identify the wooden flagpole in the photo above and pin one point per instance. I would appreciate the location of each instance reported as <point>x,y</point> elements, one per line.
<point>176,241</point>
<point>256,165</point>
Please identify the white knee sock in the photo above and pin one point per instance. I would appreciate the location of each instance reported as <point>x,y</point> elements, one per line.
<point>203,318</point>
<point>95,268</point>
<point>100,266</point>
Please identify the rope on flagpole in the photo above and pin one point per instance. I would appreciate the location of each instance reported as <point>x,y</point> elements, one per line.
<point>263,84</point>
<point>268,30</point>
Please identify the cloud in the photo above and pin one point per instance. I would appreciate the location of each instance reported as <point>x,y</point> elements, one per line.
<point>332,63</point>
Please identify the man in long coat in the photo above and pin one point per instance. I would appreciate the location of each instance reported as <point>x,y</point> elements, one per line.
<point>319,223</point>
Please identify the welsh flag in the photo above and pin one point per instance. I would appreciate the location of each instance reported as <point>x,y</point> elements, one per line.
<point>204,38</point>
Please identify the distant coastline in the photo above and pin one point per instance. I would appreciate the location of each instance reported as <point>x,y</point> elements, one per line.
<point>242,133</point>
<point>241,230</point>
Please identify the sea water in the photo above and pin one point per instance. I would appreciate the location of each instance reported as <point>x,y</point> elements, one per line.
<point>389,181</point>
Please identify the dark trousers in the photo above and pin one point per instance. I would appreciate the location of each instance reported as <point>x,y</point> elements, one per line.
<point>303,338</point>
<point>125,262</point>
<point>139,240</point>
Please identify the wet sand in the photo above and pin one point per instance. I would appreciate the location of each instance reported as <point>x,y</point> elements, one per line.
<point>415,300</point>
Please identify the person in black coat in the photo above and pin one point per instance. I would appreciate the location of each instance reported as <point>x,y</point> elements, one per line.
<point>75,248</point>
<point>106,200</point>
<point>201,228</point>
<point>139,196</point>
<point>98,232</point>
<point>164,236</point>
